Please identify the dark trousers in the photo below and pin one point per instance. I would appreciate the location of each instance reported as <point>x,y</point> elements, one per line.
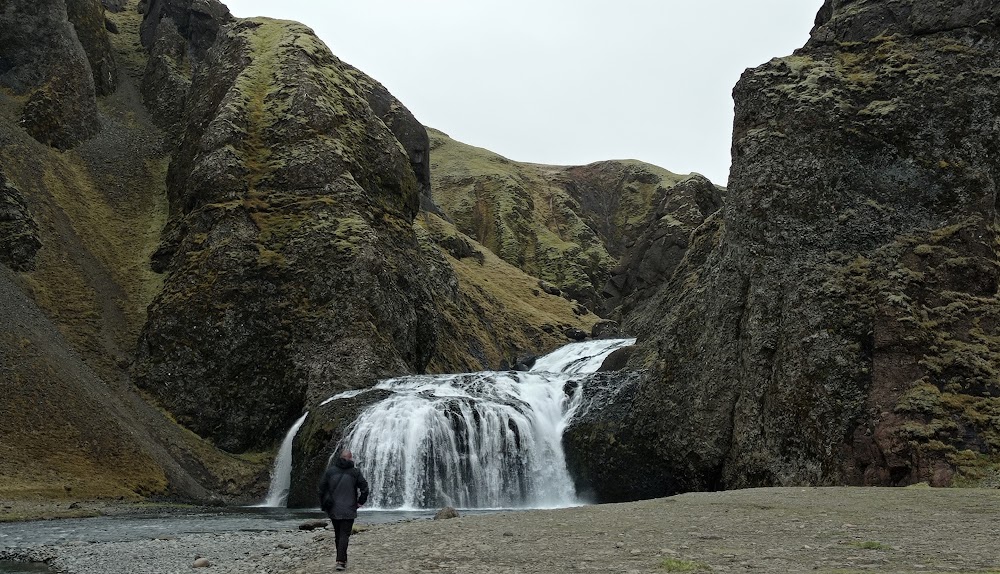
<point>341,534</point>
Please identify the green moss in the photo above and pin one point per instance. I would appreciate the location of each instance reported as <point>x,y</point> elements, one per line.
<point>130,55</point>
<point>924,398</point>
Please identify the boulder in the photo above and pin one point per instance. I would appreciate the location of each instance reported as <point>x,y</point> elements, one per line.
<point>313,524</point>
<point>446,513</point>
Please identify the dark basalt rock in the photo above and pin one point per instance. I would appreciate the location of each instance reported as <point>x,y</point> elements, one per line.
<point>293,271</point>
<point>88,20</point>
<point>836,324</point>
<point>658,249</point>
<point>42,58</point>
<point>114,5</point>
<point>19,240</point>
<point>178,35</point>
<point>198,22</point>
<point>318,439</point>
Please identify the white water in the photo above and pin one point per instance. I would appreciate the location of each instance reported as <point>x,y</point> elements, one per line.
<point>281,474</point>
<point>478,440</point>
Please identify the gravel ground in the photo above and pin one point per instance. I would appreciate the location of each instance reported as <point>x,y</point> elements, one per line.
<point>826,530</point>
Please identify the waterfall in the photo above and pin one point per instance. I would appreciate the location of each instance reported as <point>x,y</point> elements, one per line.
<point>281,474</point>
<point>475,440</point>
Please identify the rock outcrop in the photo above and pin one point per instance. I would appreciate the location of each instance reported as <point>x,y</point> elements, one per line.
<point>43,61</point>
<point>292,268</point>
<point>651,258</point>
<point>88,20</point>
<point>178,35</point>
<point>19,240</point>
<point>839,324</point>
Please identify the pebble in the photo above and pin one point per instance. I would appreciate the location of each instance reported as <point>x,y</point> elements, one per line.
<point>228,552</point>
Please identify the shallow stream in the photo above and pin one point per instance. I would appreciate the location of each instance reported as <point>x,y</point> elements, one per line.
<point>169,524</point>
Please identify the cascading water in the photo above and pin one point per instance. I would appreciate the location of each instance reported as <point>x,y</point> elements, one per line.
<point>281,475</point>
<point>478,440</point>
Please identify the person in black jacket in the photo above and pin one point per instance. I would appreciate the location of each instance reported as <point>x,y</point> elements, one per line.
<point>342,491</point>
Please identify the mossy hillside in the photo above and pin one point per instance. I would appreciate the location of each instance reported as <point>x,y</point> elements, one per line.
<point>567,226</point>
<point>72,428</point>
<point>92,230</point>
<point>496,312</point>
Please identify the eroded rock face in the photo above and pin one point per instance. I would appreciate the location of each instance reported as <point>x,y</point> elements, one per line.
<point>660,247</point>
<point>293,268</point>
<point>19,240</point>
<point>839,323</point>
<point>178,35</point>
<point>87,17</point>
<point>42,58</point>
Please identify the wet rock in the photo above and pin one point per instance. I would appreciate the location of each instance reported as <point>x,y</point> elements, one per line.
<point>446,513</point>
<point>313,524</point>
<point>575,334</point>
<point>605,330</point>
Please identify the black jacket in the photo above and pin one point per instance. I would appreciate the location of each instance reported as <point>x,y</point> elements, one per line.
<point>342,490</point>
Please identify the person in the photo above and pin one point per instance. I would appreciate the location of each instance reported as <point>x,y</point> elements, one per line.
<point>341,492</point>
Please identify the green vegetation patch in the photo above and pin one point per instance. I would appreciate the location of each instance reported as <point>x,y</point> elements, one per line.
<point>680,565</point>
<point>870,545</point>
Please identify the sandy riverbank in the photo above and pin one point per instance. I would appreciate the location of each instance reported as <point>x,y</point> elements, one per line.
<point>827,530</point>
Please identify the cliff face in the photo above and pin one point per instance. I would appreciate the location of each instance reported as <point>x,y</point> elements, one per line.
<point>77,228</point>
<point>839,323</point>
<point>46,68</point>
<point>292,267</point>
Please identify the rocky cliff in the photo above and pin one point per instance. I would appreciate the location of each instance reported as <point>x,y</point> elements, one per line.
<point>838,323</point>
<point>226,215</point>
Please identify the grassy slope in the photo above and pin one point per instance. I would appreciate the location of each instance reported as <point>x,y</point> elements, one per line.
<point>501,312</point>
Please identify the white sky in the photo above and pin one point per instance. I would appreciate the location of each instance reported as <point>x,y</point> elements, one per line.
<point>563,82</point>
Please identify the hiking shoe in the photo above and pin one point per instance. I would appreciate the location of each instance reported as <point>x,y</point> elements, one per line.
<point>341,566</point>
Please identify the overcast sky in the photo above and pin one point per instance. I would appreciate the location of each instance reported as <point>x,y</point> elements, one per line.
<point>563,82</point>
